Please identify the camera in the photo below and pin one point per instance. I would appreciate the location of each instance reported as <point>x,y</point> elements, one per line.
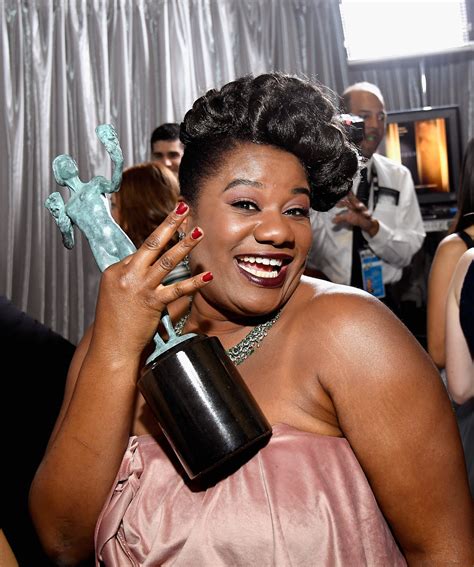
<point>354,127</point>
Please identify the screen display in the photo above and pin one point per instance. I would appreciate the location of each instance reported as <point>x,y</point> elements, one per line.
<point>426,141</point>
<point>422,147</point>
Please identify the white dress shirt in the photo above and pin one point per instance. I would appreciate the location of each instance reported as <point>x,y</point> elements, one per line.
<point>400,233</point>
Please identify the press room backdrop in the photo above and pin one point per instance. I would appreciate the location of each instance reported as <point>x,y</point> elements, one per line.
<point>68,65</point>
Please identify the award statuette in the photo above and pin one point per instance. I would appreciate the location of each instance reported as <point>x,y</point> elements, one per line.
<point>193,388</point>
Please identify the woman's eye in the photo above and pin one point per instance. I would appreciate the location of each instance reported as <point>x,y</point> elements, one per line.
<point>247,205</point>
<point>297,212</point>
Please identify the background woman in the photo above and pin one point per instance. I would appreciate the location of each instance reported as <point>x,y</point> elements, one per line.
<point>449,250</point>
<point>148,193</point>
<point>459,353</point>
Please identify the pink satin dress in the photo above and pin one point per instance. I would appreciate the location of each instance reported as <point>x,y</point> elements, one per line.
<point>302,501</point>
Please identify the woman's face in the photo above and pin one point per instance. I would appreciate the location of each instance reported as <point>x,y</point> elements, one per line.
<point>255,215</point>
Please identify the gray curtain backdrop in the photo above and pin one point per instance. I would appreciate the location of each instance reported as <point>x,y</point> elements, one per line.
<point>69,65</point>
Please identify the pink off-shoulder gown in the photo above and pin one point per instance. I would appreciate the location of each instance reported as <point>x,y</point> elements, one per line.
<point>302,501</point>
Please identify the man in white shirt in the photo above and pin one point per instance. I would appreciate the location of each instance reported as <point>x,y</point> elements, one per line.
<point>389,227</point>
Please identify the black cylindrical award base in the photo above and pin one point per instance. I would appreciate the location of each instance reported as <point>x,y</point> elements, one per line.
<point>202,404</point>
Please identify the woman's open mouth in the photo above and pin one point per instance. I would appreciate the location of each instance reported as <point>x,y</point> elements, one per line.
<point>264,270</point>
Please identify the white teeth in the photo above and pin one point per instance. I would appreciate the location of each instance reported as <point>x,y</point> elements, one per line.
<point>259,273</point>
<point>246,261</point>
<point>261,260</point>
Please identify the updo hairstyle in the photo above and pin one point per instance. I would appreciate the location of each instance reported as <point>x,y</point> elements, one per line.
<point>275,109</point>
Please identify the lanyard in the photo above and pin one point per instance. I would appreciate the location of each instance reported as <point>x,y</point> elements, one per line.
<point>374,183</point>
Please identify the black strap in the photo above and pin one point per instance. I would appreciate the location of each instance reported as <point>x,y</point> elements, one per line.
<point>468,241</point>
<point>358,241</point>
<point>466,307</point>
<point>363,191</point>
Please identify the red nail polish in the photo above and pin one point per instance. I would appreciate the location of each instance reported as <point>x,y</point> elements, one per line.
<point>181,208</point>
<point>207,277</point>
<point>196,233</point>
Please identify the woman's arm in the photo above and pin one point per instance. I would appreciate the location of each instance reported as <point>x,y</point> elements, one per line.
<point>395,412</point>
<point>459,363</point>
<point>92,431</point>
<point>444,262</point>
<point>84,452</point>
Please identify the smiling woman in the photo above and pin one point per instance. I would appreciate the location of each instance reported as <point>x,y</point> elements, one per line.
<point>255,213</point>
<point>352,474</point>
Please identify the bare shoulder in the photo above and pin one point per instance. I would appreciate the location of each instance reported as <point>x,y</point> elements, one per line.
<point>389,399</point>
<point>338,306</point>
<point>451,245</point>
<point>359,340</point>
<point>448,252</point>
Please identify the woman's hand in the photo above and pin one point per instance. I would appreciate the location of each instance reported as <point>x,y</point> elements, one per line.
<point>131,296</point>
<point>98,411</point>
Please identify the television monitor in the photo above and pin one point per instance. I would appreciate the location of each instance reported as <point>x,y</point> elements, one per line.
<point>427,141</point>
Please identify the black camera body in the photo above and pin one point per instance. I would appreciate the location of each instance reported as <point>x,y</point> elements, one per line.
<point>354,126</point>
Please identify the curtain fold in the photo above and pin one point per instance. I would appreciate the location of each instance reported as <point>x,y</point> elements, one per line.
<point>450,80</point>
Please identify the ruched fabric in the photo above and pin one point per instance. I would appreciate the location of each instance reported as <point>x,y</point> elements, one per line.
<point>303,500</point>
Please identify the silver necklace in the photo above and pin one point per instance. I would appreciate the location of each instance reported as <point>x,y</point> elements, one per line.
<point>242,350</point>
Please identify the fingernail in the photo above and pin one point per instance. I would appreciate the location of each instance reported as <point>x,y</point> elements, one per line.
<point>207,277</point>
<point>196,233</point>
<point>181,208</point>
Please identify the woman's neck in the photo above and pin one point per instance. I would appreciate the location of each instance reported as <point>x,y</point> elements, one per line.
<point>216,321</point>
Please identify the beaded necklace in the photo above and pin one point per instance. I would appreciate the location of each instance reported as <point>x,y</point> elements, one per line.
<point>242,350</point>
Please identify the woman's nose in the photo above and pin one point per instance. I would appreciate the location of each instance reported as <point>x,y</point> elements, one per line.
<point>274,228</point>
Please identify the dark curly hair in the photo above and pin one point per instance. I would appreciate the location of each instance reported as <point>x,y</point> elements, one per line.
<point>166,131</point>
<point>275,109</point>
